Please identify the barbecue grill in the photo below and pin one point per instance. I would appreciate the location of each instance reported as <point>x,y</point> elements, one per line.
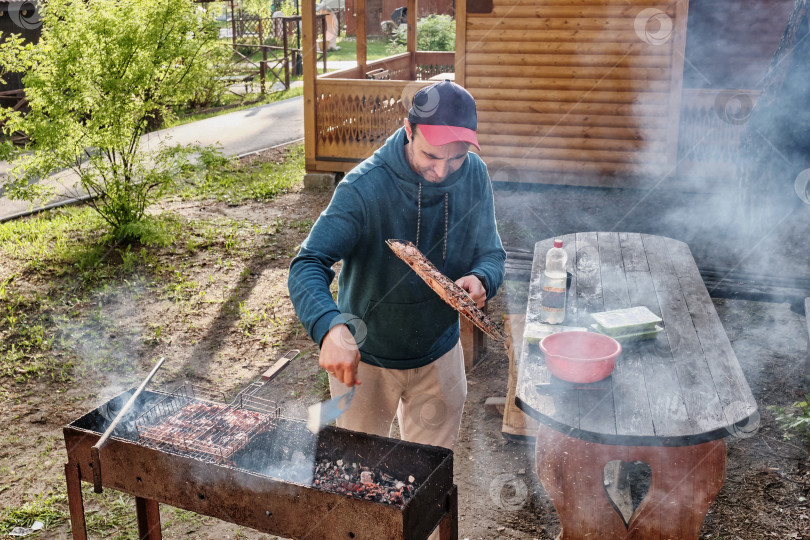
<point>267,480</point>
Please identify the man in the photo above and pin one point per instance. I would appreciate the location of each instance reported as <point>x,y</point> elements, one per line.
<point>389,330</point>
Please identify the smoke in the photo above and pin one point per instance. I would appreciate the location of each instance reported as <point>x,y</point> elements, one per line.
<point>737,190</point>
<point>737,193</point>
<point>105,342</point>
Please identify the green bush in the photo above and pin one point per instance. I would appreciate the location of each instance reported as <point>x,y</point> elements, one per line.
<point>433,33</point>
<point>95,81</point>
<point>796,419</point>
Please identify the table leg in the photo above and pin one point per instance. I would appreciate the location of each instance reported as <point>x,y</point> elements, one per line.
<point>75,501</point>
<point>684,482</point>
<point>148,514</point>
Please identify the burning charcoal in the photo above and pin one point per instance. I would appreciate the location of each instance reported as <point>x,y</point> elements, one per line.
<point>359,481</point>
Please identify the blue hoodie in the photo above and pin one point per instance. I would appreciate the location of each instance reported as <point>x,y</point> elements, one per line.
<point>405,324</point>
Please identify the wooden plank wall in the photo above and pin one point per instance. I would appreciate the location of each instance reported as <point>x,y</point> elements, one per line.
<point>576,91</point>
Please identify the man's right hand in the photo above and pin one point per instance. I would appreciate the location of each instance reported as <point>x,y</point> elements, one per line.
<point>340,355</point>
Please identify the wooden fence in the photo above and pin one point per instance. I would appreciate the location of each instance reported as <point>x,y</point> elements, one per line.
<point>354,114</point>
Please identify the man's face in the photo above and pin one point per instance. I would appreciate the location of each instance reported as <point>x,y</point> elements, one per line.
<point>433,163</point>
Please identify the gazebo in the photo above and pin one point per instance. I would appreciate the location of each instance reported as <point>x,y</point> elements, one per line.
<point>349,113</point>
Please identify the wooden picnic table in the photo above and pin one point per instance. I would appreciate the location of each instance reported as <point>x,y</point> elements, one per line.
<point>669,402</point>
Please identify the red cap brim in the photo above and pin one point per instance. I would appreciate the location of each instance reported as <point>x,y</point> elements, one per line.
<point>440,135</point>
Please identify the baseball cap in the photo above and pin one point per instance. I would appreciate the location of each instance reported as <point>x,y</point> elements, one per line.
<point>445,113</point>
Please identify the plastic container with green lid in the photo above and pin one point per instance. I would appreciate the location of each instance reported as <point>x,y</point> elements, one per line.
<point>620,322</point>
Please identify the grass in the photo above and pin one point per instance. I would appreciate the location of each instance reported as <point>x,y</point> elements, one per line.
<point>63,281</point>
<point>88,270</point>
<point>48,508</point>
<point>375,49</point>
<point>222,178</point>
<point>321,388</point>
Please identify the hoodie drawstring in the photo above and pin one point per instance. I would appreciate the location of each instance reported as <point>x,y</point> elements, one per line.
<point>446,221</point>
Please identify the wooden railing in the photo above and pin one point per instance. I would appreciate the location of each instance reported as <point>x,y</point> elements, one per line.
<point>355,115</point>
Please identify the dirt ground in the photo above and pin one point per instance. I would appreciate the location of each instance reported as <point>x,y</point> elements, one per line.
<point>767,485</point>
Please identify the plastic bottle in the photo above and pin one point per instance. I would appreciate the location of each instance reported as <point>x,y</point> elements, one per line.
<point>552,302</point>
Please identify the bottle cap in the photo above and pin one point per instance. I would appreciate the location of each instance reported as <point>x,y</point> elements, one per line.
<point>557,243</point>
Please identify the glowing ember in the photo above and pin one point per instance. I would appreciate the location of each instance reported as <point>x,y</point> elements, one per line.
<point>362,483</point>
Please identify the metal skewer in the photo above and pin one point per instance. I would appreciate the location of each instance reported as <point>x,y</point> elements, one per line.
<point>94,450</point>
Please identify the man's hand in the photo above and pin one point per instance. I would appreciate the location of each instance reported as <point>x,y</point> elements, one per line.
<point>340,355</point>
<point>474,288</point>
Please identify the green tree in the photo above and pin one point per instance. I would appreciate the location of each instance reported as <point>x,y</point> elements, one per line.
<point>433,33</point>
<point>100,74</point>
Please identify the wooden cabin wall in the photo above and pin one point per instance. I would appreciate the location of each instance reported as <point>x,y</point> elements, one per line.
<point>583,92</point>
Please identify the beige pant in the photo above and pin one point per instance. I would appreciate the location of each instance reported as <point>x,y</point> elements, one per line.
<point>427,401</point>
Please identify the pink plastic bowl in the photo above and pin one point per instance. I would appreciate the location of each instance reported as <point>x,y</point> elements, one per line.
<point>580,357</point>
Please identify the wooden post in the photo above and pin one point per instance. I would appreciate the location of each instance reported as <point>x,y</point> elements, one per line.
<point>461,42</point>
<point>412,7</point>
<point>309,34</point>
<point>284,38</point>
<point>325,45</point>
<point>676,82</point>
<point>472,343</point>
<point>362,53</point>
<point>233,22</point>
<point>263,64</point>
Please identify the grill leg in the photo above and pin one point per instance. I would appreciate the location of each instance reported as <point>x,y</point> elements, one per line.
<point>75,503</point>
<point>148,513</point>
<point>448,527</point>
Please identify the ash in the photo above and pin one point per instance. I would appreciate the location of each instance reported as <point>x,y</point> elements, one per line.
<point>362,482</point>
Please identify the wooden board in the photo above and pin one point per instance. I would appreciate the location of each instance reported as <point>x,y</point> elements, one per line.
<point>515,422</point>
<point>807,362</point>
